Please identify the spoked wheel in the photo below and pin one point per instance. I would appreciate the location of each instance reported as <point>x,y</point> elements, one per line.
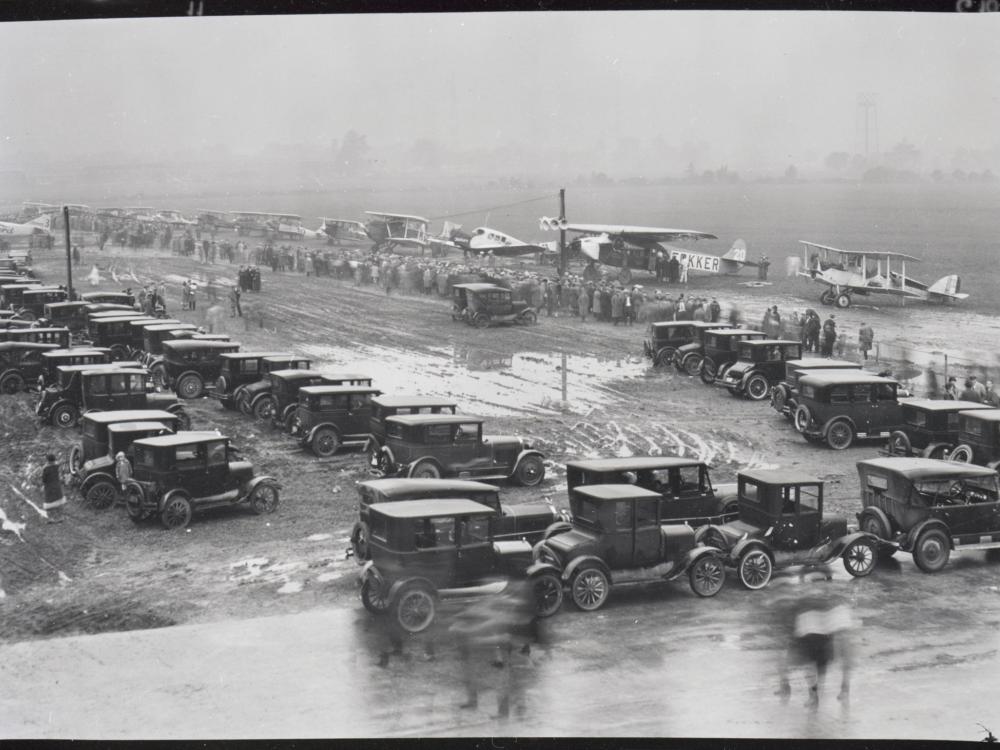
<point>665,356</point>
<point>755,569</point>
<point>159,375</point>
<point>11,383</point>
<point>590,588</point>
<point>264,499</point>
<point>840,435</point>
<point>134,504</point>
<point>176,514</point>
<point>802,418</point>
<point>190,386</point>
<point>425,470</point>
<point>414,608</point>
<point>962,454</point>
<point>548,592</point>
<point>860,558</point>
<point>373,596</point>
<point>707,575</point>
<point>757,387</point>
<point>779,398</point>
<point>528,318</point>
<point>325,442</point>
<point>899,443</point>
<point>708,371</point>
<point>691,364</point>
<point>530,471</point>
<point>872,524</point>
<point>481,320</point>
<point>264,409</point>
<point>101,495</point>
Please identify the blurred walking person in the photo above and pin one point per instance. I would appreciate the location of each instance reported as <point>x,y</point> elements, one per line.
<point>865,338</point>
<point>55,498</point>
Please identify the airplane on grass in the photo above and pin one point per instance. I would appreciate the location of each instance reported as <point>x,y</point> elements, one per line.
<point>340,231</point>
<point>279,226</point>
<point>502,245</point>
<point>631,248</point>
<point>39,225</point>
<point>847,273</point>
<point>389,230</point>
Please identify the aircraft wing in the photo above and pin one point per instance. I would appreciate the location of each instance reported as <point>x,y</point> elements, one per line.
<point>869,253</point>
<point>640,235</point>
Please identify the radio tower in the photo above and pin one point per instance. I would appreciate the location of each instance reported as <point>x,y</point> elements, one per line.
<point>867,119</point>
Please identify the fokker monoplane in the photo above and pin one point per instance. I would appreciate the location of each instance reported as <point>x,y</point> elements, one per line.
<point>848,272</point>
<point>633,248</point>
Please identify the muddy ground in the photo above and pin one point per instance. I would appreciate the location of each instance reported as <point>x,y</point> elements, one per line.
<point>99,572</point>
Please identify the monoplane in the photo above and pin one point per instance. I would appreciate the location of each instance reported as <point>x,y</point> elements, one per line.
<point>848,272</point>
<point>40,225</point>
<point>633,248</point>
<point>388,231</point>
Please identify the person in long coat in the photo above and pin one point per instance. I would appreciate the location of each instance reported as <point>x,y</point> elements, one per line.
<point>596,304</point>
<point>617,307</point>
<point>583,303</point>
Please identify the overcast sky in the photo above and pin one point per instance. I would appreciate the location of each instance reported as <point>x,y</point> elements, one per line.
<point>775,85</point>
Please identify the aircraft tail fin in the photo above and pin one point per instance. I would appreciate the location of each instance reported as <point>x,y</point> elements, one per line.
<point>948,286</point>
<point>738,252</point>
<point>44,221</point>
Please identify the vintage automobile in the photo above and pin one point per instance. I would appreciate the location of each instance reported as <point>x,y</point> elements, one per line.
<point>279,409</point>
<point>153,358</point>
<point>239,369</point>
<point>77,355</point>
<point>785,395</point>
<point>137,330</point>
<point>720,350</point>
<point>71,315</point>
<point>929,507</point>
<point>97,478</point>
<point>37,335</point>
<point>249,395</point>
<point>666,337</point>
<point>115,333</point>
<point>94,429</point>
<point>760,365</point>
<point>386,406</point>
<point>431,446</point>
<point>331,416</point>
<point>124,299</point>
<point>86,388</point>
<point>929,428</point>
<point>175,476</point>
<point>527,521</point>
<point>837,407</point>
<point>781,524</point>
<point>10,294</point>
<point>33,302</point>
<point>482,305</point>
<point>20,364</point>
<point>188,364</point>
<point>111,311</point>
<point>618,536</point>
<point>153,337</point>
<point>684,485</point>
<point>9,319</point>
<point>978,438</point>
<point>689,356</point>
<point>426,550</point>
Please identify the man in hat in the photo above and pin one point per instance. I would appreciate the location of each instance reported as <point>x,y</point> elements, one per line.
<point>829,335</point>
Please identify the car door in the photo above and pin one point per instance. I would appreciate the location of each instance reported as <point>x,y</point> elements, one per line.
<point>686,496</point>
<point>189,469</point>
<point>798,525</point>
<point>468,451</point>
<point>436,550</point>
<point>648,539</point>
<point>96,393</point>
<point>886,413</point>
<point>621,540</point>
<point>359,412</point>
<point>475,550</point>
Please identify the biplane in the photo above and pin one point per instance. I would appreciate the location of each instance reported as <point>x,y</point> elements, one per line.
<point>632,248</point>
<point>172,216</point>
<point>390,230</point>
<point>343,231</point>
<point>850,272</point>
<point>213,221</point>
<point>274,225</point>
<point>484,239</point>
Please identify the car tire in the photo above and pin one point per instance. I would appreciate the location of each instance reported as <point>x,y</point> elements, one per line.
<point>481,320</point>
<point>359,542</point>
<point>64,415</point>
<point>288,421</point>
<point>264,408</point>
<point>803,418</point>
<point>325,442</point>
<point>939,452</point>
<point>708,371</point>
<point>159,374</point>
<point>872,524</point>
<point>860,557</point>
<point>691,364</point>
<point>757,387</point>
<point>755,568</point>
<point>779,398</point>
<point>373,597</point>
<point>547,589</point>
<point>183,418</point>
<point>590,588</point>
<point>707,575</point>
<point>839,434</point>
<point>932,550</point>
<point>119,353</point>
<point>665,356</point>
<point>413,608</point>
<point>425,470</point>
<point>190,386</point>
<point>75,460</point>
<point>962,453</point>
<point>222,388</point>
<point>101,495</point>
<point>11,383</point>
<point>134,504</point>
<point>899,443</point>
<point>530,472</point>
<point>176,513</point>
<point>264,498</point>
<point>528,318</point>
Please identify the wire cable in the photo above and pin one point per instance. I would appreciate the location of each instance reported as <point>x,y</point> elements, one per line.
<point>489,209</point>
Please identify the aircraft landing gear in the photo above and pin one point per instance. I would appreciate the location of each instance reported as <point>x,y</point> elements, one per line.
<point>843,301</point>
<point>827,297</point>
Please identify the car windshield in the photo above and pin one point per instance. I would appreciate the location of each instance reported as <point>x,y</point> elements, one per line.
<point>586,513</point>
<point>956,491</point>
<point>144,456</point>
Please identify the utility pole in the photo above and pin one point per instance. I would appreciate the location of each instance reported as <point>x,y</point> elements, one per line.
<point>69,257</point>
<point>563,259</point>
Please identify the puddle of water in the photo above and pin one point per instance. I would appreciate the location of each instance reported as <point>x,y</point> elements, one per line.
<point>330,576</point>
<point>319,537</point>
<point>292,587</point>
<point>7,525</point>
<point>486,382</point>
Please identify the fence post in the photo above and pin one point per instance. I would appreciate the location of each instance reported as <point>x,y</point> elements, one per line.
<point>878,345</point>
<point>946,369</point>
<point>564,389</point>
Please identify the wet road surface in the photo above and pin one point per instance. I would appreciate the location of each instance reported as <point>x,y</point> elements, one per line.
<point>656,661</point>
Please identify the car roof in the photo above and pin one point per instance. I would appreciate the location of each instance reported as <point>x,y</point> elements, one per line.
<point>616,492</point>
<point>416,401</point>
<point>838,377</point>
<point>819,363</point>
<point>74,350</point>
<point>925,468</point>
<point>337,389</point>
<point>172,327</point>
<point>128,415</point>
<point>181,438</point>
<point>942,404</point>
<point>191,344</point>
<point>335,375</point>
<point>140,323</point>
<point>986,415</point>
<point>285,356</point>
<point>255,355</point>
<point>293,373</point>
<point>738,331</point>
<point>479,287</point>
<point>135,426</point>
<point>779,476</point>
<point>418,419</point>
<point>631,463</point>
<point>406,485</point>
<point>60,305</point>
<point>451,506</point>
<point>8,345</point>
<point>769,342</point>
<point>100,367</point>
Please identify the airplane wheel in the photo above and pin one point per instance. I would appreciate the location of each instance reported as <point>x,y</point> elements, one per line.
<point>843,301</point>
<point>827,297</point>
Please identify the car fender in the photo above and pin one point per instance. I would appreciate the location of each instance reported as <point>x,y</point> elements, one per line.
<point>575,564</point>
<point>542,567</point>
<point>839,417</point>
<point>746,376</point>
<point>693,555</point>
<point>841,544</point>
<point>316,428</point>
<point>421,459</point>
<point>173,493</point>
<point>873,510</point>
<point>523,454</point>
<point>390,459</point>
<point>397,586</point>
<point>745,545</point>
<point>93,479</point>
<point>702,531</point>
<point>249,487</point>
<point>920,528</point>
<point>48,412</point>
<point>370,572</point>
